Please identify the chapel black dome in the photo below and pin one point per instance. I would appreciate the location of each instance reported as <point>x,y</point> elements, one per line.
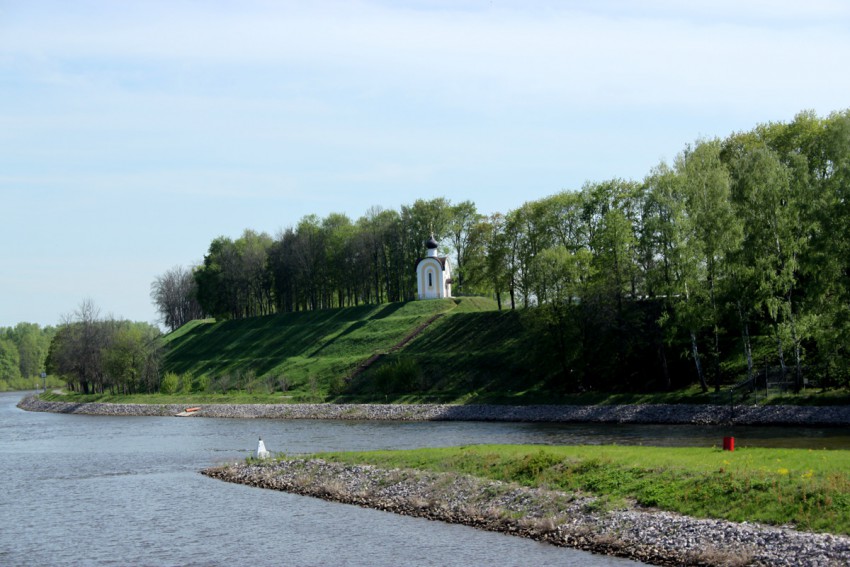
<point>431,244</point>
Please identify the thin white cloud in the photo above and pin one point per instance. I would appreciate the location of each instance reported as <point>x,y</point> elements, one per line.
<point>663,53</point>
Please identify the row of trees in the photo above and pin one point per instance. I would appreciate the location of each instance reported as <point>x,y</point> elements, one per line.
<point>97,354</point>
<point>330,262</point>
<point>738,248</point>
<point>322,263</point>
<point>175,294</point>
<point>736,252</point>
<point>23,349</point>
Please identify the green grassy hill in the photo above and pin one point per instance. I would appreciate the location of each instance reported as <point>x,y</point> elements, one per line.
<point>465,355</point>
<point>309,354</point>
<point>461,350</point>
<point>464,350</point>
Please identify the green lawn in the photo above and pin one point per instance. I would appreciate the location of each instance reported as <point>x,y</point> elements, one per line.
<point>809,489</point>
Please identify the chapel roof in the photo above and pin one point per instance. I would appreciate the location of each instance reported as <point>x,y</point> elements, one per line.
<point>440,259</point>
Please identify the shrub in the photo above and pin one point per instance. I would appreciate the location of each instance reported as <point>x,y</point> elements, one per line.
<point>337,385</point>
<point>400,376</point>
<point>222,383</point>
<point>245,380</point>
<point>313,389</point>
<point>201,383</point>
<point>257,385</point>
<point>282,383</point>
<point>186,383</point>
<point>169,384</point>
<point>532,466</point>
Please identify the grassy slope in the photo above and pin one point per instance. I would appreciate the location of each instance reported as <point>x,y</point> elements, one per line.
<point>474,354</point>
<point>477,354</point>
<point>809,489</point>
<point>325,345</point>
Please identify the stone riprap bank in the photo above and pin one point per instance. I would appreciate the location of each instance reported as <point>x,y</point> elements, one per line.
<point>646,413</point>
<point>572,520</point>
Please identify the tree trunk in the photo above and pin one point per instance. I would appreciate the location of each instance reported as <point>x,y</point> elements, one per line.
<point>695,350</point>
<point>780,352</point>
<point>798,367</point>
<point>715,358</point>
<point>745,337</point>
<point>665,371</point>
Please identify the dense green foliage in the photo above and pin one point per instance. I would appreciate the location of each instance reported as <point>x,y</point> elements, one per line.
<point>809,489</point>
<point>23,350</point>
<point>732,261</point>
<point>334,262</point>
<point>95,355</point>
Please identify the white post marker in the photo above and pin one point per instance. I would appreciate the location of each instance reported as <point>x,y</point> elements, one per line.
<point>261,450</point>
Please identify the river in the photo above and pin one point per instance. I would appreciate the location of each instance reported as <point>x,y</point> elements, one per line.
<point>94,490</point>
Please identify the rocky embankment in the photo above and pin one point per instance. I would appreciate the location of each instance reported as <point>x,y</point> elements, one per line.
<point>571,520</point>
<point>647,413</point>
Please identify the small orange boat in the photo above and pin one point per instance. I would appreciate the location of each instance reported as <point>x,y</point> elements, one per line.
<point>190,410</point>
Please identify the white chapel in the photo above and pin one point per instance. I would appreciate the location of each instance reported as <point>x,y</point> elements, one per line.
<point>433,274</point>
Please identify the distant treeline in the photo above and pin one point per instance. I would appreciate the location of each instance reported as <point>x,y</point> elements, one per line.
<point>85,352</point>
<point>23,349</point>
<point>736,256</point>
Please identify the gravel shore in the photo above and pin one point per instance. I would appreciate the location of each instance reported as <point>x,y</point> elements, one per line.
<point>570,520</point>
<point>648,413</point>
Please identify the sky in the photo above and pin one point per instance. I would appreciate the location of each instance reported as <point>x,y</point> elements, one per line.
<point>134,133</point>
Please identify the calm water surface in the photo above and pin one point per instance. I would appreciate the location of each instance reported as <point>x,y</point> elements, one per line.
<point>92,490</point>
